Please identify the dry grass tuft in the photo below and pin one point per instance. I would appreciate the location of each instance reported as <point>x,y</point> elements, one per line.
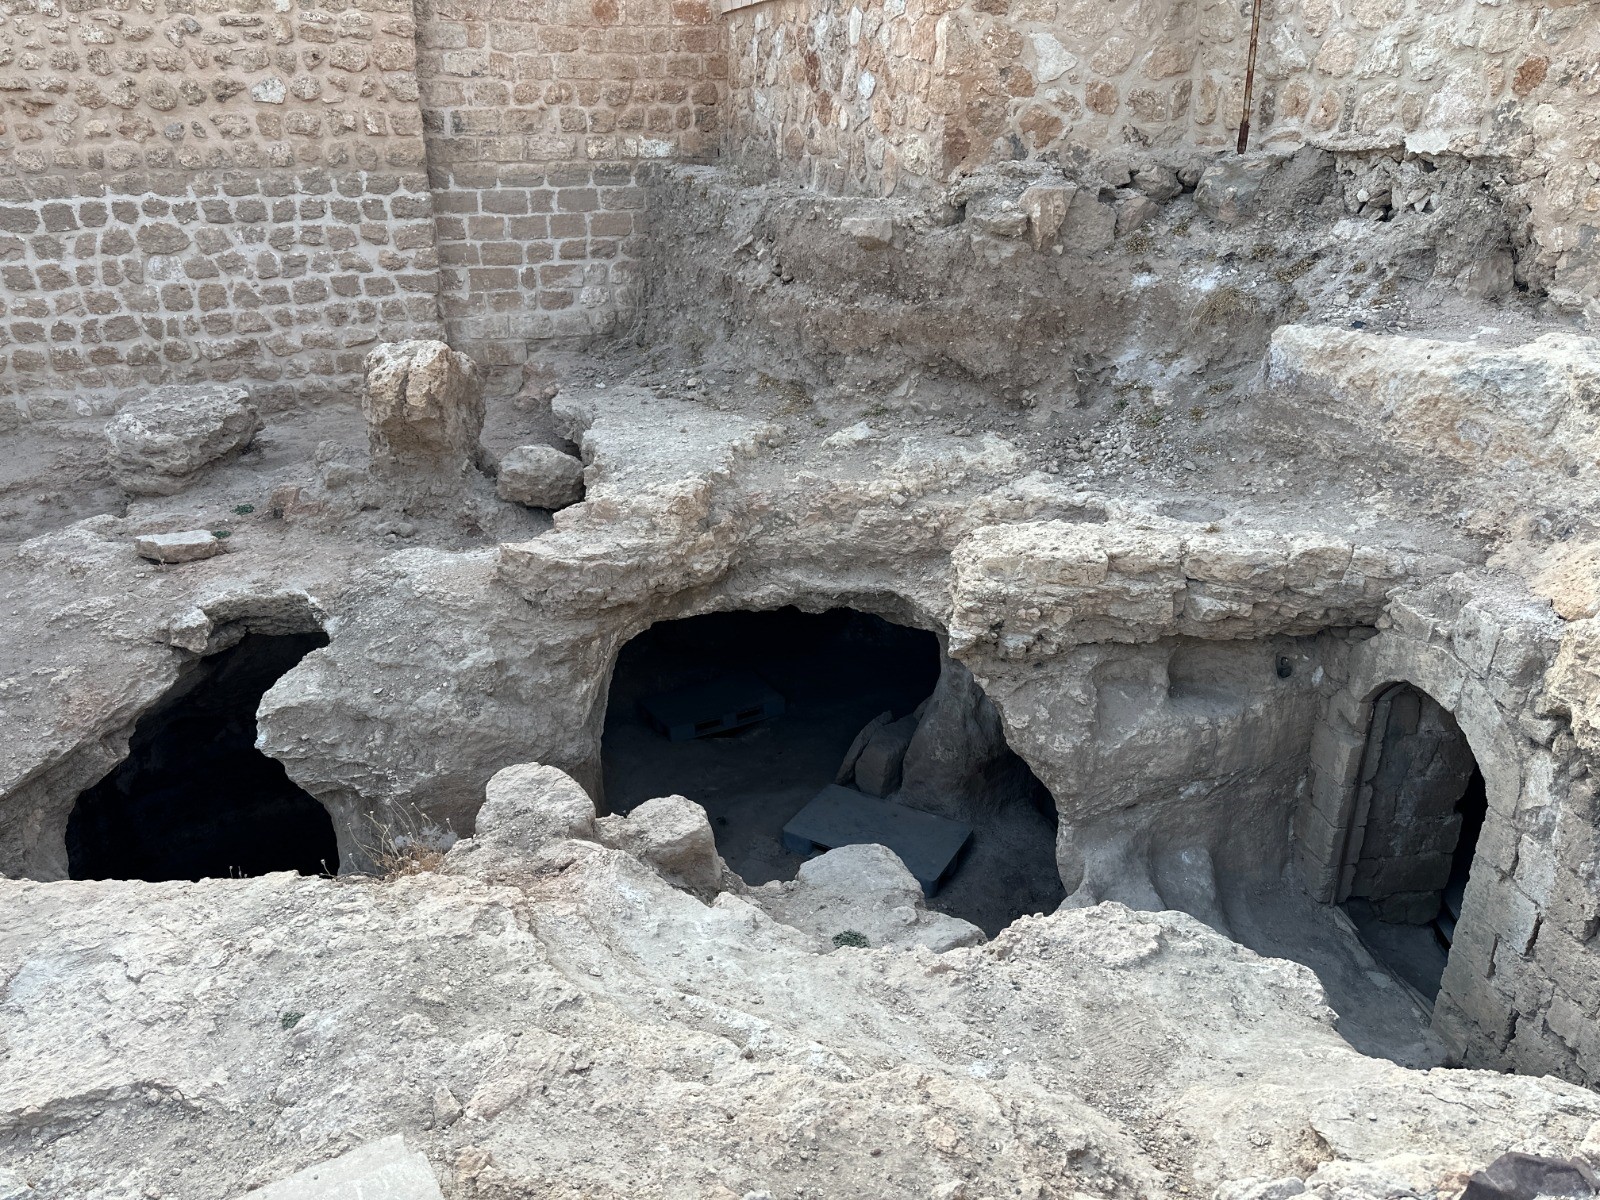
<point>407,843</point>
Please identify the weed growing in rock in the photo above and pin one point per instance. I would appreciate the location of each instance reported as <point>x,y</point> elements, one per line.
<point>406,842</point>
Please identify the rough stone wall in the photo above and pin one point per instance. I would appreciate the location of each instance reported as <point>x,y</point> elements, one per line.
<point>197,192</point>
<point>863,98</point>
<point>1521,988</point>
<point>869,98</point>
<point>543,123</point>
<point>1518,81</point>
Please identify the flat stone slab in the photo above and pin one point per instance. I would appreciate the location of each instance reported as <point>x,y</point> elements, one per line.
<point>381,1170</point>
<point>189,546</point>
<point>728,702</point>
<point>838,816</point>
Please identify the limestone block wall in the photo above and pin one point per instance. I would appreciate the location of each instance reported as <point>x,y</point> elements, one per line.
<point>544,122</point>
<point>1521,988</point>
<point>193,191</point>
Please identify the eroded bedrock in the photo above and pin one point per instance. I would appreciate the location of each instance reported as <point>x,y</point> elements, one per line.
<point>800,601</point>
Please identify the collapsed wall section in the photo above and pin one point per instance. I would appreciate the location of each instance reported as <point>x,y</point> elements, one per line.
<point>188,194</point>
<point>876,99</point>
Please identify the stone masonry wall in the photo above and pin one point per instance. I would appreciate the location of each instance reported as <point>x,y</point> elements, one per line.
<point>1518,81</point>
<point>1521,988</point>
<point>869,96</point>
<point>543,123</point>
<point>196,191</point>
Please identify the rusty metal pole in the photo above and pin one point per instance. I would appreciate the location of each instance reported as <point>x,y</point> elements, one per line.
<point>1250,75</point>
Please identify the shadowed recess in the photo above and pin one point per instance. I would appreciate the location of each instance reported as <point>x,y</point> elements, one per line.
<point>195,799</point>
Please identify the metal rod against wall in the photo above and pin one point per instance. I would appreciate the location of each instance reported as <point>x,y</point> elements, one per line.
<point>1250,75</point>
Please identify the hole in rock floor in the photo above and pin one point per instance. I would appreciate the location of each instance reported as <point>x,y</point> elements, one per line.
<point>831,674</point>
<point>195,799</point>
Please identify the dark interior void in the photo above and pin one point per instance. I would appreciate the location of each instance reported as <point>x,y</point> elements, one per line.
<point>835,672</point>
<point>195,799</point>
<point>1420,806</point>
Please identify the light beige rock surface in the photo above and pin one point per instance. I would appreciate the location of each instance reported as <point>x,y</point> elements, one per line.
<point>540,477</point>
<point>424,409</point>
<point>161,441</point>
<point>508,1033</point>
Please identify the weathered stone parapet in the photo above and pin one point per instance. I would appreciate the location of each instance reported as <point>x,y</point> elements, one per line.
<point>1035,590</point>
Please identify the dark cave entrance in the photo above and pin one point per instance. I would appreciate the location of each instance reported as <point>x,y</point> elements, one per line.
<point>753,714</point>
<point>195,799</point>
<point>1420,806</point>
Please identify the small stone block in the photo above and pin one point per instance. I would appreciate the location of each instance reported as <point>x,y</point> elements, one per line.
<point>381,1170</point>
<point>189,546</point>
<point>929,845</point>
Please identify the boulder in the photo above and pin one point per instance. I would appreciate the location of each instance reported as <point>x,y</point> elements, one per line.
<point>869,232</point>
<point>1158,182</point>
<point>1135,212</point>
<point>672,835</point>
<point>540,477</point>
<point>1046,205</point>
<point>878,767</point>
<point>526,807</point>
<point>161,441</point>
<point>189,546</point>
<point>847,766</point>
<point>424,409</point>
<point>1228,188</point>
<point>864,890</point>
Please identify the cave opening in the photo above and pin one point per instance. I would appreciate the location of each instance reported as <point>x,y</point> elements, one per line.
<point>773,719</point>
<point>195,799</point>
<point>1420,807</point>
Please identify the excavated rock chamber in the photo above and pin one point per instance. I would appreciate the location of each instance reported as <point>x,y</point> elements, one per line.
<point>852,701</point>
<point>1420,808</point>
<point>194,798</point>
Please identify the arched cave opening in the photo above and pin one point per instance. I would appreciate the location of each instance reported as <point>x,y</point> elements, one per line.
<point>799,732</point>
<point>1420,806</point>
<point>195,799</point>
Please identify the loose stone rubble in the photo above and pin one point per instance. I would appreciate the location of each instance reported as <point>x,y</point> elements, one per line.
<point>160,442</point>
<point>484,342</point>
<point>190,546</point>
<point>540,477</point>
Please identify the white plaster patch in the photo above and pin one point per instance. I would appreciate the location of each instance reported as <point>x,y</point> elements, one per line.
<point>1052,59</point>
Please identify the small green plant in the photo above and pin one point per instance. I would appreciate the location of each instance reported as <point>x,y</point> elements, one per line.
<point>220,534</point>
<point>243,510</point>
<point>849,937</point>
<point>1196,413</point>
<point>290,1019</point>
